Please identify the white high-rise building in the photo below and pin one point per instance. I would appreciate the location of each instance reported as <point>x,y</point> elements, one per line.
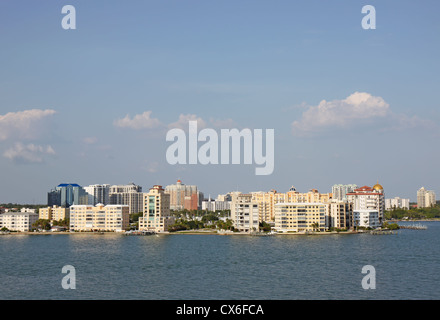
<point>340,191</point>
<point>98,193</point>
<point>366,201</point>
<point>244,212</point>
<point>425,198</point>
<point>129,194</point>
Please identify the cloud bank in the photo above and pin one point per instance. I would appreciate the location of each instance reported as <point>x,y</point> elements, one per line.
<point>357,107</point>
<point>22,124</point>
<point>145,121</point>
<point>16,127</point>
<point>357,110</point>
<point>29,153</point>
<point>139,121</point>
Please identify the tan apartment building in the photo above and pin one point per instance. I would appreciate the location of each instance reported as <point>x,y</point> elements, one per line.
<point>339,214</point>
<point>113,218</point>
<point>267,200</point>
<point>54,213</point>
<point>300,217</point>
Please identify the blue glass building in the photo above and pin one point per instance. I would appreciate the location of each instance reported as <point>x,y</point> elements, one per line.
<point>67,194</point>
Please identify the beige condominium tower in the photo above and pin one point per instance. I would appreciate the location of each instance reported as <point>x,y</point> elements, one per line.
<point>156,207</point>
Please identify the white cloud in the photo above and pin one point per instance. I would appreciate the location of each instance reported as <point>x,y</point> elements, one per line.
<point>29,153</point>
<point>138,122</point>
<point>22,124</point>
<point>144,121</point>
<point>355,109</point>
<point>182,123</point>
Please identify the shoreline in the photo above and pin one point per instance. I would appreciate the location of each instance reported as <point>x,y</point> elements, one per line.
<point>191,232</point>
<point>209,232</point>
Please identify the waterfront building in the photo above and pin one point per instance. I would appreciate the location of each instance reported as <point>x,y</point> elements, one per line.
<point>366,199</point>
<point>266,203</point>
<point>267,200</point>
<point>244,212</point>
<point>66,195</point>
<point>54,213</point>
<point>156,211</point>
<point>425,198</point>
<point>339,191</point>
<point>366,218</point>
<point>339,214</point>
<point>129,194</point>
<point>113,218</point>
<point>18,221</point>
<point>184,196</point>
<point>300,217</point>
<point>396,203</point>
<point>98,193</point>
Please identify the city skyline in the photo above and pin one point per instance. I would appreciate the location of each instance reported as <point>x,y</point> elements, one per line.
<point>205,195</point>
<point>93,105</point>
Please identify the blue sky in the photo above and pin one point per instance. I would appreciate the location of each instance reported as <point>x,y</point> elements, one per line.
<point>256,64</point>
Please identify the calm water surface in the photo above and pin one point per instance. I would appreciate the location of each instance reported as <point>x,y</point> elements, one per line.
<point>219,267</point>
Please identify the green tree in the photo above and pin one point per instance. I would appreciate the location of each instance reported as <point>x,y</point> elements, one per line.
<point>134,217</point>
<point>265,227</point>
<point>43,224</point>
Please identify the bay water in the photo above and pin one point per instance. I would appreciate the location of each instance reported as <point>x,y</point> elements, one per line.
<point>219,267</point>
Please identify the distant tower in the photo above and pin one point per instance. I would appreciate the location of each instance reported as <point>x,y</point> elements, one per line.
<point>425,198</point>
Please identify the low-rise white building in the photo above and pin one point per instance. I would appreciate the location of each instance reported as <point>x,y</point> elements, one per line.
<point>396,203</point>
<point>216,205</point>
<point>99,218</point>
<point>18,221</point>
<point>366,218</point>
